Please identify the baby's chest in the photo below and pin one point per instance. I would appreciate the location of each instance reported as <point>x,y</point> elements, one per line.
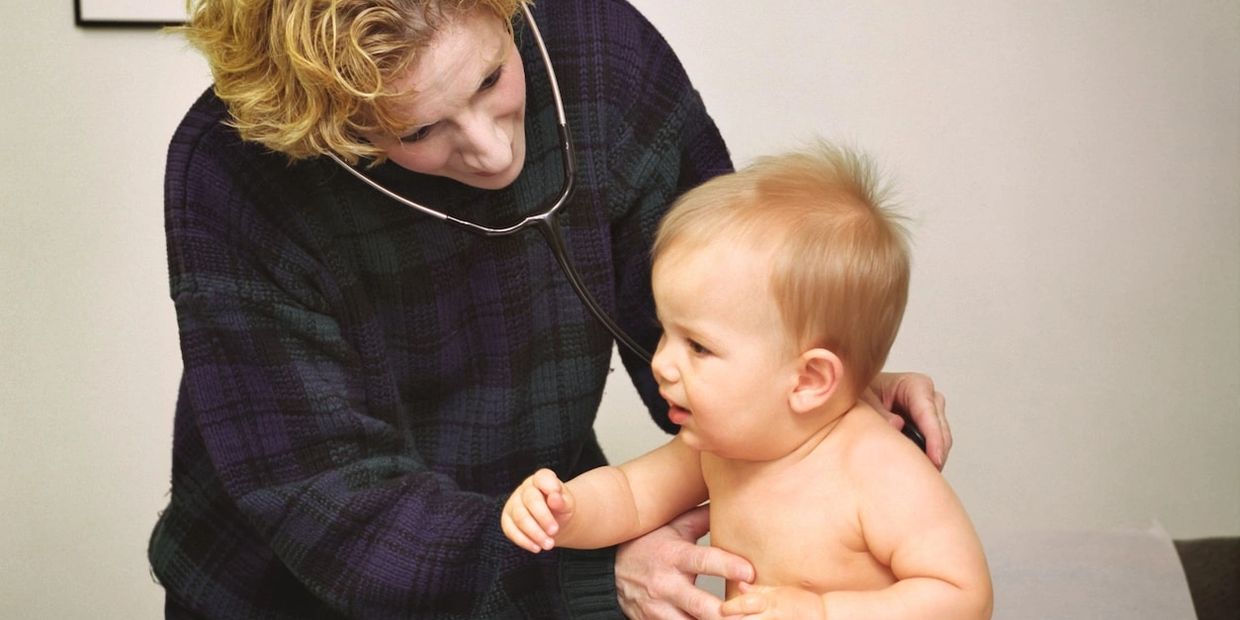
<point>811,540</point>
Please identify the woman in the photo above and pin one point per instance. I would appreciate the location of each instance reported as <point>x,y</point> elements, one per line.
<point>363,384</point>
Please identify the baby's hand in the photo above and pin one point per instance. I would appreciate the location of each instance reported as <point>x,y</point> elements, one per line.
<point>536,511</point>
<point>774,602</point>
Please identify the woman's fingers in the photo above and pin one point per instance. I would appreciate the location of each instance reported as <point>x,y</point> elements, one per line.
<point>703,560</point>
<point>940,405</point>
<point>915,394</point>
<point>929,408</point>
<point>655,573</point>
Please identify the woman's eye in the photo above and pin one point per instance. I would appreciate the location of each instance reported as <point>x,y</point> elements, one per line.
<point>417,134</point>
<point>491,80</point>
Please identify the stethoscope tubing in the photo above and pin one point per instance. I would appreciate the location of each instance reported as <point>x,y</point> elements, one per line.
<point>546,222</point>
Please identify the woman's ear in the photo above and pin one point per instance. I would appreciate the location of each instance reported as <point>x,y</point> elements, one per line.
<point>819,375</point>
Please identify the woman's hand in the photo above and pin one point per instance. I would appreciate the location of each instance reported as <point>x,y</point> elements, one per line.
<point>914,394</point>
<point>655,574</point>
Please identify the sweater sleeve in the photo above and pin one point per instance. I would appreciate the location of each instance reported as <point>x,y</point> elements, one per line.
<point>322,472</point>
<point>662,143</point>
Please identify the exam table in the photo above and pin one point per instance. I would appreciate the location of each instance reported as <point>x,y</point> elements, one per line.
<point>1130,574</point>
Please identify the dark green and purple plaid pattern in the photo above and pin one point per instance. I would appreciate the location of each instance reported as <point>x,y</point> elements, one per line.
<point>363,385</point>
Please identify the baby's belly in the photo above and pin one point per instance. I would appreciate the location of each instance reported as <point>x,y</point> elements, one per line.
<point>808,562</point>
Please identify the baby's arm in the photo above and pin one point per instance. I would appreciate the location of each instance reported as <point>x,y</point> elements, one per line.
<point>607,505</point>
<point>913,522</point>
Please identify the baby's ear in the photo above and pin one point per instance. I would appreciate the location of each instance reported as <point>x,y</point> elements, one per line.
<point>819,375</point>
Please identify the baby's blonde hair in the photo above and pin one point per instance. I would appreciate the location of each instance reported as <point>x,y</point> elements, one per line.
<point>308,77</point>
<point>838,252</point>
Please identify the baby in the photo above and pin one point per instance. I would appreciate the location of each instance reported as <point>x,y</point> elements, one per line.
<point>780,289</point>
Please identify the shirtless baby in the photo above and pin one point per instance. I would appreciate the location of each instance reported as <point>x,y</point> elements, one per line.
<point>780,289</point>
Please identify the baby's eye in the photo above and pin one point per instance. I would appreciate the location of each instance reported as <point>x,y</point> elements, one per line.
<point>491,80</point>
<point>417,134</point>
<point>697,348</point>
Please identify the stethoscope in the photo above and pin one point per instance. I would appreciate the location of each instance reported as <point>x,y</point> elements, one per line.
<point>544,222</point>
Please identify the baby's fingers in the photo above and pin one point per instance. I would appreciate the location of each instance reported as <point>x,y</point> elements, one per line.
<point>546,481</point>
<point>742,605</point>
<point>553,490</point>
<point>515,533</point>
<point>540,515</point>
<point>752,600</point>
<point>561,504</point>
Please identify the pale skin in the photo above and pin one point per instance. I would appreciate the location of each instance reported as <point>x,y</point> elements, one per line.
<point>467,123</point>
<point>858,549</point>
<point>878,534</point>
<point>656,573</point>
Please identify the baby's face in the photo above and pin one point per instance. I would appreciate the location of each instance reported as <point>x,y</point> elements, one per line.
<point>723,363</point>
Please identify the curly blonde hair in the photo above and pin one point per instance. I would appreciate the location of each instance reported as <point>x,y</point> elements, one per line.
<point>308,77</point>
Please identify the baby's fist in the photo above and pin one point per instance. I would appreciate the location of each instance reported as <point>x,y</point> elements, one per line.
<point>536,510</point>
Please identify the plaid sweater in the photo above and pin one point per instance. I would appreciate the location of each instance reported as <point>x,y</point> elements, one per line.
<point>363,385</point>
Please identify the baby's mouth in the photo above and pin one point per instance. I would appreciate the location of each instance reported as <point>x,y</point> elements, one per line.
<point>677,414</point>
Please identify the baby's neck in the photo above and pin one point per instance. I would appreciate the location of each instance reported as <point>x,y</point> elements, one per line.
<point>826,420</point>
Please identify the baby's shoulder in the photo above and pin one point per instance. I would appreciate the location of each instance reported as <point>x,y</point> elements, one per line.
<point>869,446</point>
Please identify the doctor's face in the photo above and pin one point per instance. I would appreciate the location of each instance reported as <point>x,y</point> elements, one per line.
<point>467,107</point>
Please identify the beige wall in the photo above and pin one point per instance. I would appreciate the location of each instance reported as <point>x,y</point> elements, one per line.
<point>1071,168</point>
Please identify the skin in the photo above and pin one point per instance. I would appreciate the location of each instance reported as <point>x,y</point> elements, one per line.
<point>466,107</point>
<point>466,114</point>
<point>757,420</point>
<point>655,573</point>
<point>717,365</point>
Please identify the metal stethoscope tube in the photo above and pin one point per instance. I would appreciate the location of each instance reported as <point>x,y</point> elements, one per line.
<point>545,222</point>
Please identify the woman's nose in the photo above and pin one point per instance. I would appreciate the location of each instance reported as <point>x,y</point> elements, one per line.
<point>487,147</point>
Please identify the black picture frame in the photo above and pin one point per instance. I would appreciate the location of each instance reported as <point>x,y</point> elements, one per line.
<point>112,14</point>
